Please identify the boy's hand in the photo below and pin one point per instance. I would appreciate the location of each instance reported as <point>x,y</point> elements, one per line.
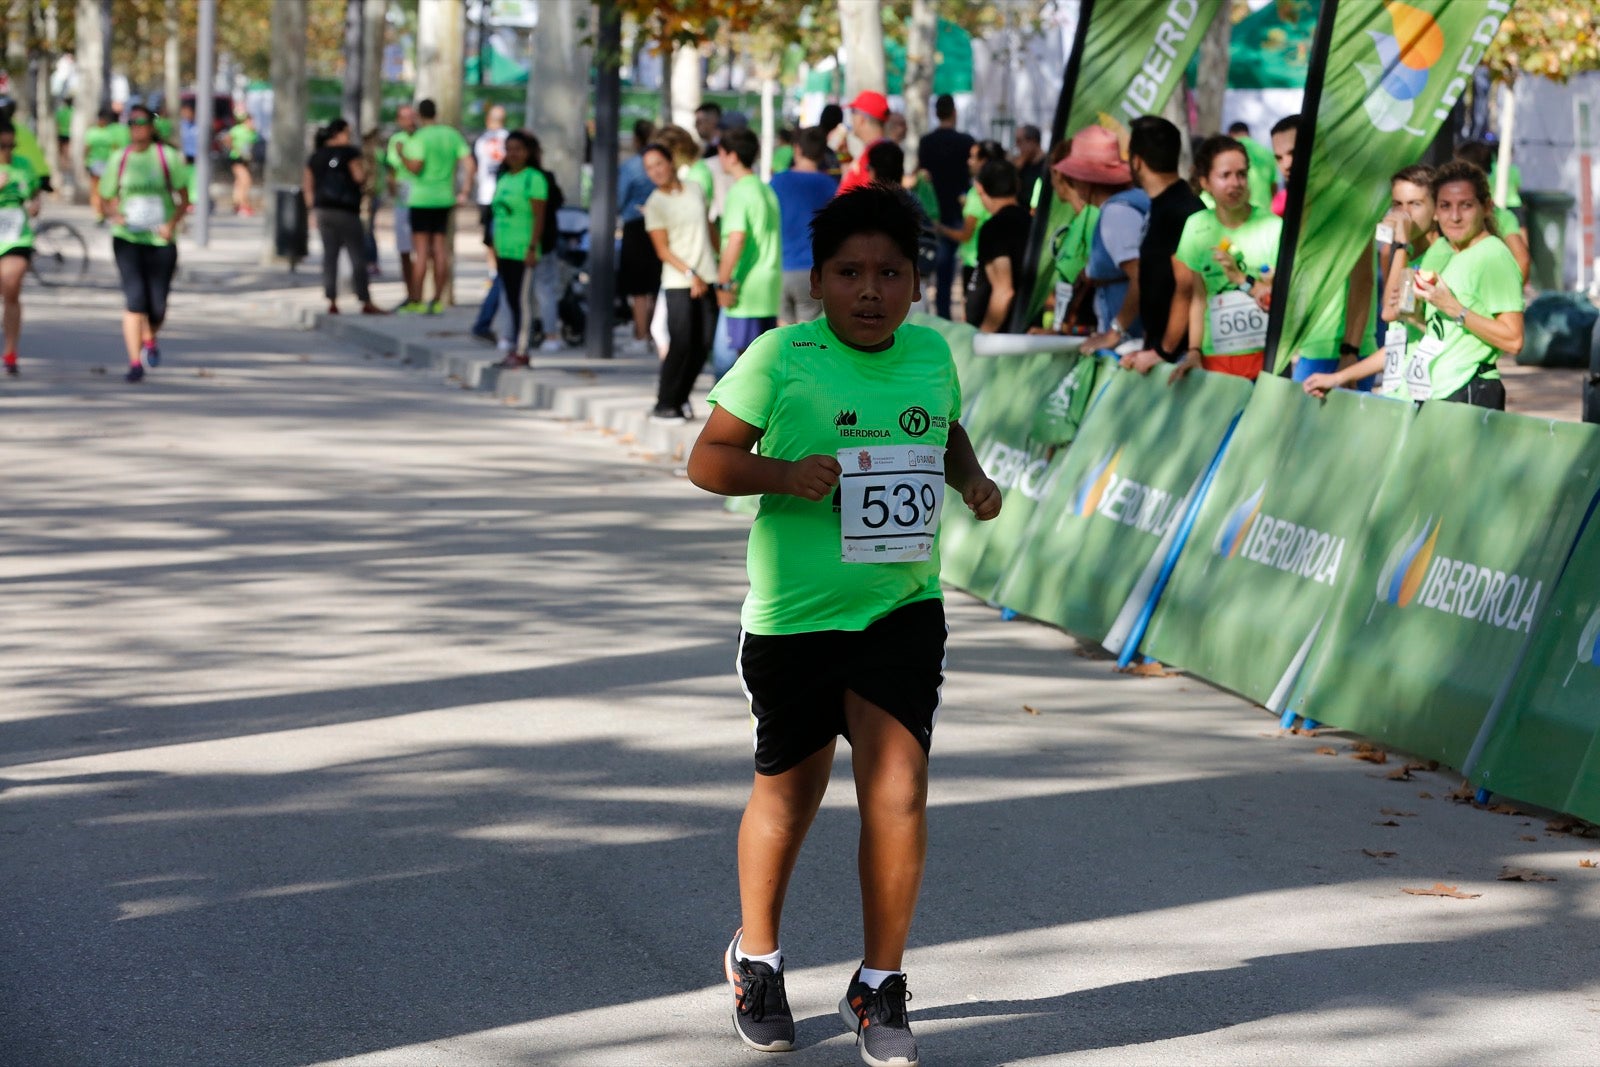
<point>982,497</point>
<point>812,478</point>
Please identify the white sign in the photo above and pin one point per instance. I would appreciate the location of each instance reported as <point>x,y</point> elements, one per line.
<point>890,499</point>
<point>1238,325</point>
<point>1394,359</point>
<point>1419,379</point>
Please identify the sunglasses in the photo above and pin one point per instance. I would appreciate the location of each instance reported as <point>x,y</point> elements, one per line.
<point>138,122</point>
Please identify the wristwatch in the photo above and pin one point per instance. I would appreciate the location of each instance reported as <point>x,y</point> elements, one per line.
<point>1460,318</point>
<point>1248,284</point>
<point>1348,349</point>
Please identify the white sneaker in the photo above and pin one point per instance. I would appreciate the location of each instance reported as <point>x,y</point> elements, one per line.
<point>551,346</point>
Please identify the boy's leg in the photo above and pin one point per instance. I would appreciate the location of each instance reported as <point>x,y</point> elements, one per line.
<point>780,811</point>
<point>891,774</point>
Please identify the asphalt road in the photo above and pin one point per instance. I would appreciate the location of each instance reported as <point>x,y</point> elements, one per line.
<point>353,719</point>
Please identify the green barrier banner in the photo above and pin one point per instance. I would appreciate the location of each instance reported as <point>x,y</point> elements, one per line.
<point>1545,745</point>
<point>1109,512</point>
<point>1132,58</point>
<point>1277,537</point>
<point>1468,533</point>
<point>1394,71</point>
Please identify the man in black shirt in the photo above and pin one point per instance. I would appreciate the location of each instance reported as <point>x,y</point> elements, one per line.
<point>1030,163</point>
<point>1002,245</point>
<point>1153,148</point>
<point>943,154</point>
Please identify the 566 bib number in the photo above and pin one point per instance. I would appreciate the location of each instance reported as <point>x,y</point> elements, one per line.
<point>889,503</point>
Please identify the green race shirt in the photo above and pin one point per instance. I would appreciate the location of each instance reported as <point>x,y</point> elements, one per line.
<point>811,394</point>
<point>1485,278</point>
<point>752,208</point>
<point>241,140</point>
<point>1254,244</point>
<point>699,173</point>
<point>782,158</point>
<point>19,183</point>
<point>1513,185</point>
<point>100,143</point>
<point>1263,173</point>
<point>1072,244</point>
<point>972,209</point>
<point>392,158</point>
<point>440,148</point>
<point>1506,220</point>
<point>143,177</point>
<point>513,211</point>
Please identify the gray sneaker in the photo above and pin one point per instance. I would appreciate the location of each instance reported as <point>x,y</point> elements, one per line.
<point>761,1013</point>
<point>878,1019</point>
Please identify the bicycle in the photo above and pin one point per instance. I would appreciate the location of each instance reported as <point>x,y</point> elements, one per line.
<point>60,254</point>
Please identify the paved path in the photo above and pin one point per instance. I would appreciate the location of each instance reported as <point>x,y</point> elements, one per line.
<point>351,719</point>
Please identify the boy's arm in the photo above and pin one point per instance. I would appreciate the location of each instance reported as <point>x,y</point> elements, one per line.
<point>729,263</point>
<point>722,462</point>
<point>964,474</point>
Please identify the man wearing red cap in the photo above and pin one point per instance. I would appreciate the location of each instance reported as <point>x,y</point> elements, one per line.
<point>868,112</point>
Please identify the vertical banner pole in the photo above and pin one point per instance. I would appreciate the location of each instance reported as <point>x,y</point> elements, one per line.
<point>1039,233</point>
<point>1294,205</point>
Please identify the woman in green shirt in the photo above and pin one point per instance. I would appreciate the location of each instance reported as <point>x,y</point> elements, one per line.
<point>19,206</point>
<point>520,192</point>
<point>242,140</point>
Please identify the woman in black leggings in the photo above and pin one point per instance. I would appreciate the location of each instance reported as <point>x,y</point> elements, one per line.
<point>332,183</point>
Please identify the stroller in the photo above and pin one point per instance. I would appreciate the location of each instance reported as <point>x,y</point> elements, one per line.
<point>572,246</point>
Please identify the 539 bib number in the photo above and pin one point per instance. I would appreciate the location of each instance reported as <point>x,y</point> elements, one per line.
<point>889,503</point>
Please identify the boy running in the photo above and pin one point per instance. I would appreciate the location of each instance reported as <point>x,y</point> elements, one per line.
<point>853,422</point>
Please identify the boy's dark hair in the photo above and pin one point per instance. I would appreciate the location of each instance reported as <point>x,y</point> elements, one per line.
<point>744,144</point>
<point>1285,124</point>
<point>1417,174</point>
<point>526,140</point>
<point>643,130</point>
<point>887,161</point>
<point>710,106</point>
<point>1240,129</point>
<point>1156,141</point>
<point>427,109</point>
<point>1030,133</point>
<point>832,115</point>
<point>944,107</point>
<point>874,208</point>
<point>6,126</point>
<point>812,143</point>
<point>991,150</point>
<point>999,179</point>
<point>1479,153</point>
<point>108,113</point>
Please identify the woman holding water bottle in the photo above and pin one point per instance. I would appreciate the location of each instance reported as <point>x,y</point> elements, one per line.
<point>1230,250</point>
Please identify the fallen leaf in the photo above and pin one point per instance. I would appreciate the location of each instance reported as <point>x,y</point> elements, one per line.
<point>1523,874</point>
<point>1399,774</point>
<point>1324,750</point>
<point>1147,670</point>
<point>1396,812</point>
<point>1425,795</point>
<point>1526,837</point>
<point>1439,889</point>
<point>1505,809</point>
<point>1565,825</point>
<point>1588,863</point>
<point>1379,854</point>
<point>1370,753</point>
<point>1091,652</point>
<point>1423,765</point>
<point>1463,793</point>
<point>1387,822</point>
<point>1030,709</point>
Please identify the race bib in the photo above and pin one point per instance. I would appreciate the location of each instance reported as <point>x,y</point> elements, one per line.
<point>12,220</point>
<point>144,213</point>
<point>1394,358</point>
<point>1238,325</point>
<point>890,499</point>
<point>1419,379</point>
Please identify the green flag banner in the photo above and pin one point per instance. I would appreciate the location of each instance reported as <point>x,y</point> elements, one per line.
<point>1467,535</point>
<point>1110,510</point>
<point>1394,71</point>
<point>1545,745</point>
<point>1277,537</point>
<point>1133,55</point>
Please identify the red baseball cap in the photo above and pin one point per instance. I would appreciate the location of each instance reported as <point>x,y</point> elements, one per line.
<point>871,103</point>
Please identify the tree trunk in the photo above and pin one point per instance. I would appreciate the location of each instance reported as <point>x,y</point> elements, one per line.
<point>43,18</point>
<point>769,125</point>
<point>558,93</point>
<point>1176,111</point>
<point>286,141</point>
<point>17,35</point>
<point>687,85</point>
<point>1212,81</point>
<point>374,13</point>
<point>440,58</point>
<point>664,45</point>
<point>355,57</point>
<point>172,59</point>
<point>861,27</point>
<point>921,38</point>
<point>93,87</point>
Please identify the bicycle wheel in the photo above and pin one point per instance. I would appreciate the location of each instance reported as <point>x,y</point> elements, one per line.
<point>60,254</point>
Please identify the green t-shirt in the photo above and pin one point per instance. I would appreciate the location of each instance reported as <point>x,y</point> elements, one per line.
<point>927,197</point>
<point>513,210</point>
<point>1506,220</point>
<point>1263,173</point>
<point>811,394</point>
<point>241,141</point>
<point>782,158</point>
<point>101,142</point>
<point>700,173</point>
<point>972,209</point>
<point>147,193</point>
<point>752,208</point>
<point>1072,244</point>
<point>63,121</point>
<point>1254,244</point>
<point>19,183</point>
<point>393,157</point>
<point>440,148</point>
<point>1486,279</point>
<point>1513,184</point>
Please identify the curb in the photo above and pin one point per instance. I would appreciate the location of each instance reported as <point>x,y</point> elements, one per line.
<point>613,396</point>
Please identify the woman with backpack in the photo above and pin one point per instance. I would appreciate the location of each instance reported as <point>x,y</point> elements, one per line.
<point>144,192</point>
<point>332,183</point>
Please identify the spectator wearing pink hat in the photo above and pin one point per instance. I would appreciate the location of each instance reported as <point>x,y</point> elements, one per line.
<point>1101,179</point>
<point>868,112</point>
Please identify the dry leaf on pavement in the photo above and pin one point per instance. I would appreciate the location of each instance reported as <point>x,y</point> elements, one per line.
<point>1386,822</point>
<point>1588,863</point>
<point>1463,793</point>
<point>1379,853</point>
<point>1526,837</point>
<point>1324,750</point>
<point>1439,889</point>
<point>1425,795</point>
<point>1147,670</point>
<point>1370,753</point>
<point>1567,825</point>
<point>1523,874</point>
<point>1397,812</point>
<point>1399,774</point>
<point>1030,709</point>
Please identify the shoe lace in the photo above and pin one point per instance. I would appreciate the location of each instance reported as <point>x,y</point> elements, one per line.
<point>757,988</point>
<point>886,1005</point>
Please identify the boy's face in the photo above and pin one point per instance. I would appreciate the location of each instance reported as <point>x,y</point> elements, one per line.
<point>866,289</point>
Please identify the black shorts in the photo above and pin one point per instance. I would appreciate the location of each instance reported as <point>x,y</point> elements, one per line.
<point>796,682</point>
<point>1482,393</point>
<point>146,272</point>
<point>486,220</point>
<point>430,219</point>
<point>25,253</point>
<point>638,270</point>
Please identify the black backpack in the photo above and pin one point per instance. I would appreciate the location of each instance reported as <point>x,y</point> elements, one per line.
<point>552,204</point>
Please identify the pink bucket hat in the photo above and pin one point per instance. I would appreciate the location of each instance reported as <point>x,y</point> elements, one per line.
<point>1096,158</point>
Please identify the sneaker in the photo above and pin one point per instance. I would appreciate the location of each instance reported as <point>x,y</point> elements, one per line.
<point>412,307</point>
<point>11,364</point>
<point>878,1019</point>
<point>135,373</point>
<point>760,1007</point>
<point>486,336</point>
<point>668,415</point>
<point>551,346</point>
<point>369,308</point>
<point>150,354</point>
<point>513,361</point>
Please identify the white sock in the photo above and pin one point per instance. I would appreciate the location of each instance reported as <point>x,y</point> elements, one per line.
<point>773,959</point>
<point>875,978</point>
